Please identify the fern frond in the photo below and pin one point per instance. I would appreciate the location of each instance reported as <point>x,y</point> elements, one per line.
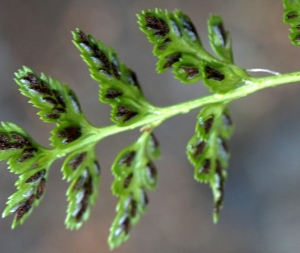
<point>26,158</point>
<point>119,85</point>
<point>134,172</point>
<point>208,152</point>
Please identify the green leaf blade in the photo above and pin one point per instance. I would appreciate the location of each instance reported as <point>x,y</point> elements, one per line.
<point>219,39</point>
<point>119,86</point>
<point>134,172</point>
<point>153,147</point>
<point>208,152</point>
<point>57,102</point>
<point>187,70</point>
<point>68,133</point>
<point>176,43</point>
<point>221,78</point>
<point>26,158</point>
<point>30,190</point>
<point>17,146</point>
<point>83,171</point>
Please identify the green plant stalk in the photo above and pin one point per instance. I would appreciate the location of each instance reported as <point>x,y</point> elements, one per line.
<point>158,115</point>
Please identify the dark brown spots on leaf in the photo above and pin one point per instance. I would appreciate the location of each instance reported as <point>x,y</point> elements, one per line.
<point>154,144</point>
<point>70,134</point>
<point>152,171</point>
<point>205,167</point>
<point>218,205</point>
<point>34,84</point>
<point>36,89</point>
<point>162,47</point>
<point>208,123</point>
<point>97,167</point>
<point>5,146</point>
<point>220,187</point>
<point>59,98</point>
<point>24,80</point>
<point>35,177</point>
<point>80,213</point>
<point>116,68</point>
<point>133,208</point>
<point>199,148</point>
<point>191,71</point>
<point>25,157</point>
<point>212,73</point>
<point>37,85</point>
<point>52,116</point>
<point>106,73</point>
<point>128,159</point>
<point>83,37</point>
<point>88,186</point>
<point>15,145</point>
<point>145,199</point>
<point>32,78</point>
<point>58,110</point>
<point>31,199</point>
<point>134,80</point>
<point>29,151</point>
<point>226,120</point>
<point>20,139</point>
<point>50,100</point>
<point>175,28</point>
<point>127,202</point>
<point>189,28</point>
<point>24,208</point>
<point>219,171</point>
<point>84,206</point>
<point>79,183</point>
<point>127,180</point>
<point>165,44</point>
<point>224,145</point>
<point>291,15</point>
<point>160,27</point>
<point>111,94</point>
<point>77,160</point>
<point>297,38</point>
<point>102,58</point>
<point>167,41</point>
<point>171,59</point>
<point>3,140</point>
<point>126,113</point>
<point>45,89</point>
<point>41,188</point>
<point>220,31</point>
<point>75,102</point>
<point>126,225</point>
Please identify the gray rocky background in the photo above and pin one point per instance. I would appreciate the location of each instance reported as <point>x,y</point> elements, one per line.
<point>262,205</point>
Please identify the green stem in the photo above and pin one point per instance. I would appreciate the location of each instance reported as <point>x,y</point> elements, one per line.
<point>252,85</point>
<point>159,115</point>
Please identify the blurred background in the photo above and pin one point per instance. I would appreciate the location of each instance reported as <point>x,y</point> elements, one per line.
<point>262,202</point>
